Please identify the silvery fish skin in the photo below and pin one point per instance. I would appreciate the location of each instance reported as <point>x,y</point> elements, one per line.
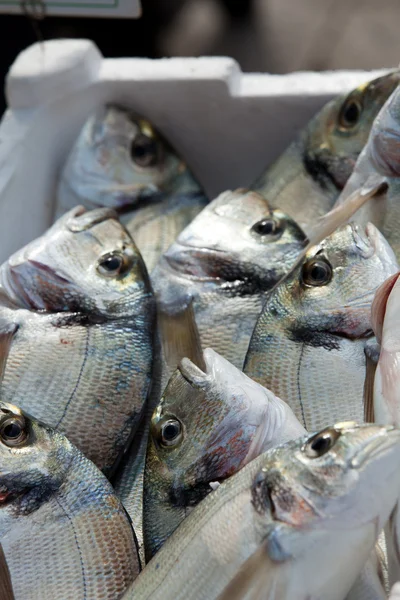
<point>63,531</point>
<point>308,346</point>
<point>82,307</point>
<point>231,254</point>
<point>207,427</point>
<point>385,320</point>
<point>379,161</point>
<point>120,161</point>
<point>300,519</point>
<point>307,179</point>
<point>386,399</point>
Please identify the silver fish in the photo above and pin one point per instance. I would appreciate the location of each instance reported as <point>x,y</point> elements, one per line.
<point>307,179</point>
<point>297,522</point>
<point>379,162</point>
<point>82,310</point>
<point>226,260</point>
<point>308,346</point>
<point>63,531</point>
<point>208,425</point>
<point>120,161</point>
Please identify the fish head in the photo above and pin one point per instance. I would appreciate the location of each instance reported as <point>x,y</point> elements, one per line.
<point>237,242</point>
<point>332,288</point>
<point>339,132</point>
<point>209,424</point>
<point>119,160</point>
<point>332,479</point>
<point>86,263</point>
<point>34,460</point>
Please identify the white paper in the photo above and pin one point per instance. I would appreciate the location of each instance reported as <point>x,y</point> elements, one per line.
<point>76,8</point>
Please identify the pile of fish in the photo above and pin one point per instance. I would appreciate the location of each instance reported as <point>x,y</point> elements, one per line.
<point>201,399</point>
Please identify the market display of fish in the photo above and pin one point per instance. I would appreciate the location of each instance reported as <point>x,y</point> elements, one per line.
<point>308,346</point>
<point>63,531</point>
<point>196,354</point>
<point>78,315</point>
<point>207,427</point>
<point>307,179</point>
<point>120,161</point>
<point>297,522</point>
<point>226,260</point>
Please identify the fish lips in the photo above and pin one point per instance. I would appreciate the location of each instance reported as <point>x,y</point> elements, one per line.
<point>36,286</point>
<point>229,272</point>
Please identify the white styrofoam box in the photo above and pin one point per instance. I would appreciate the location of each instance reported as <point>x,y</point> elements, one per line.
<point>228,125</point>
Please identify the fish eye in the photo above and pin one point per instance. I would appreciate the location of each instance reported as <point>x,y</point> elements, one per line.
<point>320,443</point>
<point>170,432</point>
<point>113,264</point>
<point>13,431</point>
<point>267,226</point>
<point>144,151</point>
<point>316,272</point>
<point>350,113</point>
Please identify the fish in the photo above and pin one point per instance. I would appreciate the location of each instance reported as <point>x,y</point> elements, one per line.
<point>120,161</point>
<point>379,162</point>
<point>63,531</point>
<point>385,322</point>
<point>80,305</point>
<point>309,343</point>
<point>306,180</point>
<point>384,394</point>
<point>226,261</point>
<point>298,522</point>
<point>208,425</point>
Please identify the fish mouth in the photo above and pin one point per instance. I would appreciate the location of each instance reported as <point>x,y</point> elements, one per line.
<point>228,272</point>
<point>17,285</point>
<point>384,439</point>
<point>194,261</point>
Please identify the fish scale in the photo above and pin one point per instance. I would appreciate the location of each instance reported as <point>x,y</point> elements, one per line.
<point>81,356</point>
<point>80,542</point>
<point>308,346</point>
<point>295,524</point>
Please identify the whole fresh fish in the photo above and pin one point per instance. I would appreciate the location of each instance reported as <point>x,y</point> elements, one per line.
<point>80,307</point>
<point>297,522</point>
<point>309,176</point>
<point>380,162</point>
<point>63,531</point>
<point>120,161</point>
<point>308,346</point>
<point>226,260</point>
<point>208,425</point>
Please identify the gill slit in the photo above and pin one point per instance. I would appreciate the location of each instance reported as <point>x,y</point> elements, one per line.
<point>77,545</point>
<point>298,385</point>
<point>85,357</point>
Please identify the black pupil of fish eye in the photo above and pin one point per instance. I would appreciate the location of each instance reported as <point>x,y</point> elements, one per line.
<point>265,227</point>
<point>144,150</point>
<point>351,114</point>
<point>319,272</point>
<point>170,431</point>
<point>111,263</point>
<point>321,443</point>
<point>12,431</point>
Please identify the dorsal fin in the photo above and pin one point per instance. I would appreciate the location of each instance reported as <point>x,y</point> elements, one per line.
<point>180,336</point>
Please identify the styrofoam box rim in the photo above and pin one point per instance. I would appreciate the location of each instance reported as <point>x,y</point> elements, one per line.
<point>227,124</point>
